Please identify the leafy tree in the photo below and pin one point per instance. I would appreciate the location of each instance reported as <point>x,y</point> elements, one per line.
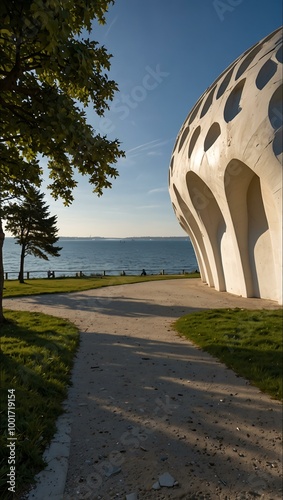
<point>34,228</point>
<point>50,70</point>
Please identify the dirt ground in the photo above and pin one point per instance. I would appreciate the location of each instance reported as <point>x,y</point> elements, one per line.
<point>150,410</point>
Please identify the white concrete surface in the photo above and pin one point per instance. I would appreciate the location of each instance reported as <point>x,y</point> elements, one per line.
<point>225,177</point>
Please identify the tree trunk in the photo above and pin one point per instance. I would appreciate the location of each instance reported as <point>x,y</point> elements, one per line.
<point>21,273</point>
<point>2,237</point>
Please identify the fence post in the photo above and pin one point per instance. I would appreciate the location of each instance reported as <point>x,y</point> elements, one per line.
<point>6,276</point>
<point>27,275</point>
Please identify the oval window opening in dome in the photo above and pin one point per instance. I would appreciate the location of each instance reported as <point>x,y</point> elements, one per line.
<point>194,111</point>
<point>275,108</point>
<point>232,106</point>
<point>247,61</point>
<point>278,143</point>
<point>267,71</point>
<point>224,84</point>
<point>207,103</point>
<point>183,138</point>
<point>193,141</point>
<point>279,54</point>
<point>212,135</point>
<point>172,164</point>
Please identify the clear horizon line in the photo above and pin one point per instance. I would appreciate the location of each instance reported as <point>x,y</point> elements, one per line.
<point>124,237</point>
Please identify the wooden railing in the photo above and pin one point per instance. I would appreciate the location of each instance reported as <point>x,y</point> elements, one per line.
<point>51,274</point>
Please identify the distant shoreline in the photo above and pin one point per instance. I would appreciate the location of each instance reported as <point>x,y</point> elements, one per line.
<point>130,238</point>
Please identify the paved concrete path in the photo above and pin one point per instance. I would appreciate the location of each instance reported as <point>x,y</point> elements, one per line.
<point>147,406</point>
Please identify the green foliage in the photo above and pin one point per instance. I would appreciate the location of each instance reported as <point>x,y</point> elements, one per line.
<point>36,359</point>
<point>48,70</point>
<point>249,342</point>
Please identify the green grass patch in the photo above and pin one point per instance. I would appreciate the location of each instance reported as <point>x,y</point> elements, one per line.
<point>12,288</point>
<point>248,342</point>
<point>37,353</point>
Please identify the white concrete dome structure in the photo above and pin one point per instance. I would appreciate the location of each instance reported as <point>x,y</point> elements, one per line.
<point>225,176</point>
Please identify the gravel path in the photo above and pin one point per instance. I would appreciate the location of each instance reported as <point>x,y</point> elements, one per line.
<point>148,407</point>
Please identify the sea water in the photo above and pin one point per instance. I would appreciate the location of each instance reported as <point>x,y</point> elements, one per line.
<point>109,256</point>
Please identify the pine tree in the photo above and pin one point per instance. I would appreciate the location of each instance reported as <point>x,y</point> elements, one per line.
<point>30,222</point>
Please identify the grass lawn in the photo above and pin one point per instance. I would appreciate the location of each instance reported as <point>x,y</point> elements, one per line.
<point>37,353</point>
<point>249,342</point>
<point>12,288</point>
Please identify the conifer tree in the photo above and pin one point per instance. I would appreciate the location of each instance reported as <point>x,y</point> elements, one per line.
<point>30,222</point>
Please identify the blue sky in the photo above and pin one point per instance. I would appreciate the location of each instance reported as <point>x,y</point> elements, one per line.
<point>166,53</point>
